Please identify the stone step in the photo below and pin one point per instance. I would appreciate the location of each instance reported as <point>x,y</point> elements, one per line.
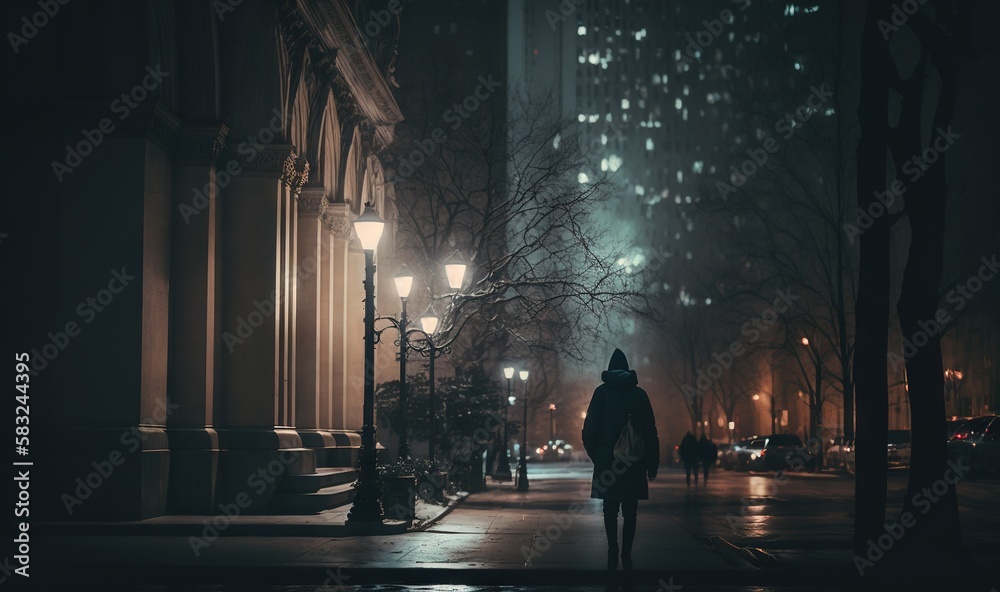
<point>313,482</point>
<point>312,503</point>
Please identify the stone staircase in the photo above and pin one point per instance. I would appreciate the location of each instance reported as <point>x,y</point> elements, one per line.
<point>326,482</point>
<point>311,493</point>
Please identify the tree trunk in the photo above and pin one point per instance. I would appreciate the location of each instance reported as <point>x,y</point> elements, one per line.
<point>872,313</point>
<point>931,497</point>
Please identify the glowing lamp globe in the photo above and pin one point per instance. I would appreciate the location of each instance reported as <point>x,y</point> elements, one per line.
<point>368,227</point>
<point>429,323</point>
<point>404,281</point>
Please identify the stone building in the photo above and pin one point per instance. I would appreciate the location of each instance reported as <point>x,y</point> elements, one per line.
<point>204,333</point>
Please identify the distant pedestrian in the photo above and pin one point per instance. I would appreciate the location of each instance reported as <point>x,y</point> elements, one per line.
<point>619,423</point>
<point>708,454</point>
<point>689,456</point>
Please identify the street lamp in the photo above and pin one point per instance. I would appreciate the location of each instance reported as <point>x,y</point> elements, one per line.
<point>404,281</point>
<point>503,470</point>
<point>429,324</point>
<point>522,475</point>
<point>367,507</point>
<point>454,268</point>
<point>732,426</point>
<point>552,424</point>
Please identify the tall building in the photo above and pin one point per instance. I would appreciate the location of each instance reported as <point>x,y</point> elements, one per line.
<point>650,83</point>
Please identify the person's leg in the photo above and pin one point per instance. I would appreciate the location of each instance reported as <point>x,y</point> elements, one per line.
<point>706,473</point>
<point>630,509</point>
<point>687,472</point>
<point>696,467</point>
<point>611,530</point>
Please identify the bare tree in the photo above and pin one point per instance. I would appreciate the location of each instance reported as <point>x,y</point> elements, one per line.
<point>509,199</point>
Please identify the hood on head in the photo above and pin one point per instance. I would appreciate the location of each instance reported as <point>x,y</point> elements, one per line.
<point>618,361</point>
<point>618,374</point>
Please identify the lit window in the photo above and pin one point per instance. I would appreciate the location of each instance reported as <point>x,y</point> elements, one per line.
<point>640,190</point>
<point>678,104</point>
<point>649,144</point>
<point>624,103</point>
<point>581,118</point>
<point>581,31</point>
<point>582,178</point>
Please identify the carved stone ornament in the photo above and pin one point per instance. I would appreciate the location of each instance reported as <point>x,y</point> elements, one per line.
<point>295,172</point>
<point>338,219</point>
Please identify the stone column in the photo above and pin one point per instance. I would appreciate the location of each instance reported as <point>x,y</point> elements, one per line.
<point>355,323</point>
<point>326,298</point>
<point>194,443</point>
<point>257,348</point>
<point>339,219</point>
<point>308,349</point>
<point>104,365</point>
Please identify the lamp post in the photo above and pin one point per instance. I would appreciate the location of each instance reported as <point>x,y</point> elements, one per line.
<point>429,324</point>
<point>522,475</point>
<point>367,507</point>
<point>503,469</point>
<point>732,426</point>
<point>403,281</point>
<point>552,424</point>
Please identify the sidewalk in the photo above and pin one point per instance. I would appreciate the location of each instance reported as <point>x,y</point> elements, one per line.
<point>551,534</point>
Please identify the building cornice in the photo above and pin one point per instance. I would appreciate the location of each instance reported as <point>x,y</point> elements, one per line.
<point>337,31</point>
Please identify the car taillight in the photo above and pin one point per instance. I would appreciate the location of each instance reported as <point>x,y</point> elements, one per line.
<point>961,436</point>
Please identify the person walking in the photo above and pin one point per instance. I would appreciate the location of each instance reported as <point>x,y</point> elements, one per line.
<point>689,456</point>
<point>708,454</point>
<point>619,435</point>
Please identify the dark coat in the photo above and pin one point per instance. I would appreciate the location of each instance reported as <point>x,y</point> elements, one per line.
<point>708,452</point>
<point>613,401</point>
<point>688,449</point>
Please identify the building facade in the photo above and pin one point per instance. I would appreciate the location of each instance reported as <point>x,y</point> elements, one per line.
<point>205,323</point>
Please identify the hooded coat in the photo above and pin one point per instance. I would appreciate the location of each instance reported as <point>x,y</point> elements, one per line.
<point>618,396</point>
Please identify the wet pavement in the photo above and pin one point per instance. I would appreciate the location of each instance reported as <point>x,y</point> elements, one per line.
<point>740,532</point>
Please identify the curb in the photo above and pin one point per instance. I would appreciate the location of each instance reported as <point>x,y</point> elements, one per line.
<point>432,521</point>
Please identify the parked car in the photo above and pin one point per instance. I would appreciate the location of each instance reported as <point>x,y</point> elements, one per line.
<point>977,445</point>
<point>729,456</point>
<point>781,452</point>
<point>898,448</point>
<point>833,458</point>
<point>847,455</point>
<point>749,452</point>
<point>952,425</point>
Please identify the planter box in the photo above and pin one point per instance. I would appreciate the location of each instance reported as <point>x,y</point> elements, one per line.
<point>432,487</point>
<point>399,498</point>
